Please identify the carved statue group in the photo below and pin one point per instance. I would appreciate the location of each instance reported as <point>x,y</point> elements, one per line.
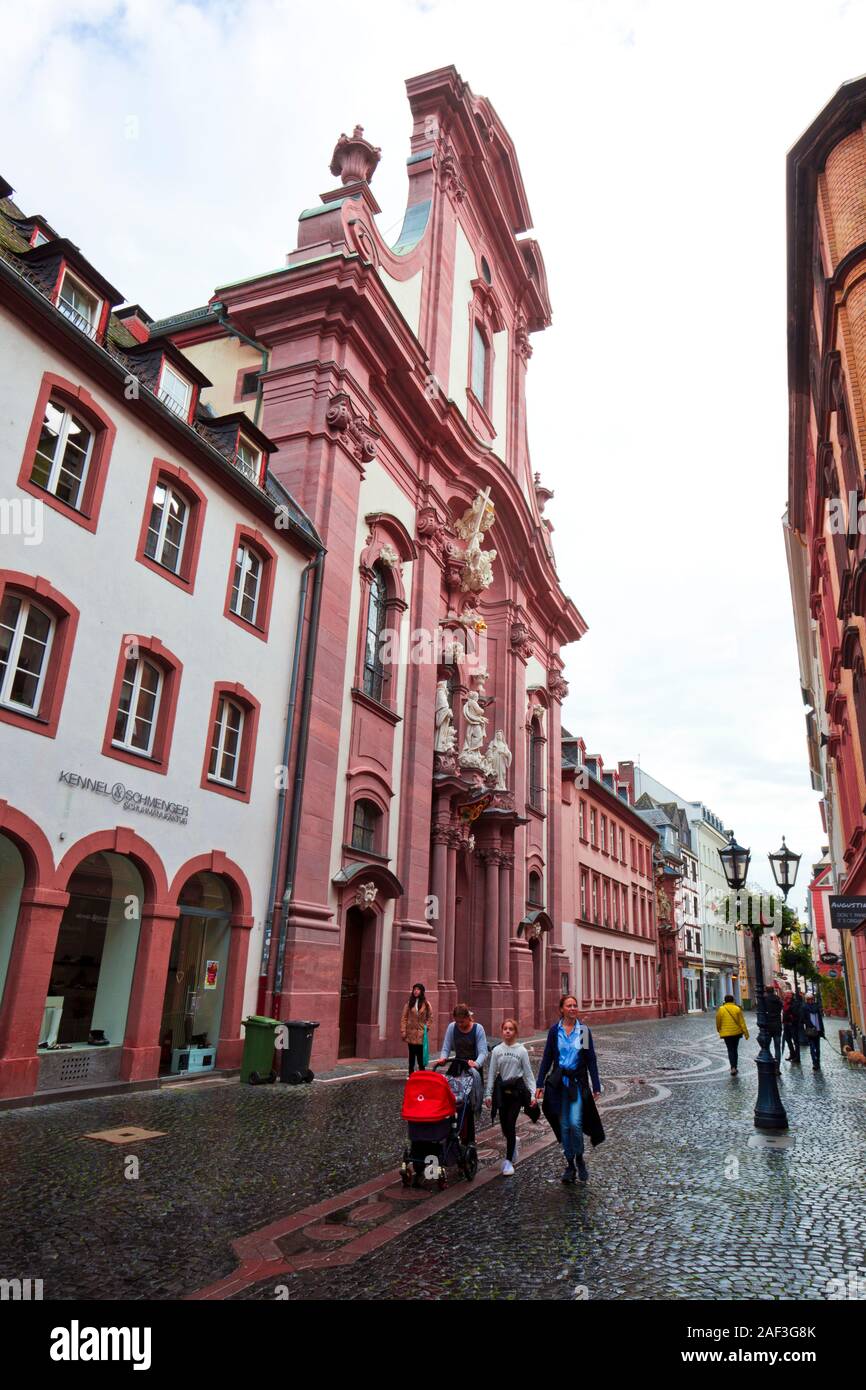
<point>496,761</point>
<point>477,575</point>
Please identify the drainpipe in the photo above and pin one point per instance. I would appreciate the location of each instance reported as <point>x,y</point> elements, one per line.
<point>229,327</point>
<point>281,800</point>
<point>300,776</point>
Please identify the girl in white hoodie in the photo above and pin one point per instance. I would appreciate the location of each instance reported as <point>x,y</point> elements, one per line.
<point>510,1087</point>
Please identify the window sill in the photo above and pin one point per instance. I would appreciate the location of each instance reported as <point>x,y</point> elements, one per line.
<point>375,706</point>
<point>179,580</point>
<point>36,723</point>
<point>146,761</point>
<point>366,856</point>
<point>81,518</point>
<point>252,628</point>
<point>210,784</point>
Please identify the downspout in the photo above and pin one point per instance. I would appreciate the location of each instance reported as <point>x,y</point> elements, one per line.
<point>281,800</point>
<point>229,327</point>
<point>300,777</point>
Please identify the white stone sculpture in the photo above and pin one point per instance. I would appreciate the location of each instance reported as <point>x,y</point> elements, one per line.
<point>444,737</point>
<point>499,760</point>
<point>476,729</point>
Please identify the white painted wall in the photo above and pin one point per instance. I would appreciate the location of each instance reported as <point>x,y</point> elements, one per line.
<point>499,412</point>
<point>379,493</point>
<point>465,272</point>
<point>406,294</point>
<point>116,596</point>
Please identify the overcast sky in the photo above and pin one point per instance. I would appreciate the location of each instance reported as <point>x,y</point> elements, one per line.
<point>177,143</point>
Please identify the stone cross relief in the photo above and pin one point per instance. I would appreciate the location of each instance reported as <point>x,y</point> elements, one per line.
<point>478,572</point>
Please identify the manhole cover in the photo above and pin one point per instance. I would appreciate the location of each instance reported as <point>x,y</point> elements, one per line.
<point>129,1134</point>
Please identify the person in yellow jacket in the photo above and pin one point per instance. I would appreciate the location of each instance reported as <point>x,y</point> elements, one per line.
<point>731,1026</point>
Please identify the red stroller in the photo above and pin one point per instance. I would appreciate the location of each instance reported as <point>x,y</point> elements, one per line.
<point>435,1129</point>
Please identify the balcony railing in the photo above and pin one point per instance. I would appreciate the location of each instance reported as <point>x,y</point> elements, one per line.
<point>84,324</point>
<point>175,406</point>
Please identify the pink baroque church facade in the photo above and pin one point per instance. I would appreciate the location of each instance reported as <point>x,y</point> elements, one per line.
<point>392,381</point>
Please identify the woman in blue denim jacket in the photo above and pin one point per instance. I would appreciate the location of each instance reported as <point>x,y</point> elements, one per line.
<point>569,1084</point>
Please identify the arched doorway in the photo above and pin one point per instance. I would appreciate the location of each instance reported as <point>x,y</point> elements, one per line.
<point>536,945</point>
<point>197,970</point>
<point>94,959</point>
<point>12,879</point>
<point>357,1012</point>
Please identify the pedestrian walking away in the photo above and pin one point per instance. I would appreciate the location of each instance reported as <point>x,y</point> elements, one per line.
<point>468,1041</point>
<point>568,1070</point>
<point>791,1012</point>
<point>773,1010</point>
<point>812,1028</point>
<point>731,1026</point>
<point>413,1027</point>
<point>510,1089</point>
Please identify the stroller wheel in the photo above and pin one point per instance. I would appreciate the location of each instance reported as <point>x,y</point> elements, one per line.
<point>470,1163</point>
<point>442,1180</point>
<point>405,1177</point>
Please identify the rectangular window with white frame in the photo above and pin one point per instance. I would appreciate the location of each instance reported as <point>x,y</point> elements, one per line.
<point>79,305</point>
<point>174,391</point>
<point>166,528</point>
<point>138,706</point>
<point>248,460</point>
<point>63,454</point>
<point>224,765</point>
<point>246,584</point>
<point>26,632</point>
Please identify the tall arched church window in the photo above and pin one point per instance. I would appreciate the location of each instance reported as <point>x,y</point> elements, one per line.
<point>479,365</point>
<point>536,766</point>
<point>374,667</point>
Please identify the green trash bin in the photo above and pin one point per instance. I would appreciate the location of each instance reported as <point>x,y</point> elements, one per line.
<point>257,1062</point>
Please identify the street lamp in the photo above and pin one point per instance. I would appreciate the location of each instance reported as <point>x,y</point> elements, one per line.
<point>784,865</point>
<point>769,1110</point>
<point>735,862</point>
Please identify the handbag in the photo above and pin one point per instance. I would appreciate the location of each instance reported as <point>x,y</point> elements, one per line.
<point>811,1033</point>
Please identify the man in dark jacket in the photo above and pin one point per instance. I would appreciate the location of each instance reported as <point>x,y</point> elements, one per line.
<point>812,1028</point>
<point>773,1008</point>
<point>791,1020</point>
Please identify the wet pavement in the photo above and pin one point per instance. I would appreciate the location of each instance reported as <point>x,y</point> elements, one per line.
<point>684,1200</point>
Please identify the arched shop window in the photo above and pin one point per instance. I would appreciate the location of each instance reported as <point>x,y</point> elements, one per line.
<point>94,959</point>
<point>192,1004</point>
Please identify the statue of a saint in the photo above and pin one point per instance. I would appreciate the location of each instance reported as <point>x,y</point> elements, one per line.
<point>443,740</point>
<point>476,728</point>
<point>499,759</point>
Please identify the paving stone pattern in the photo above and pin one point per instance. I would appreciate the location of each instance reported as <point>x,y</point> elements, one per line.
<point>680,1203</point>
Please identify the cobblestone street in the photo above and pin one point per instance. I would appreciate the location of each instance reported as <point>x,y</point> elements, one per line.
<point>684,1200</point>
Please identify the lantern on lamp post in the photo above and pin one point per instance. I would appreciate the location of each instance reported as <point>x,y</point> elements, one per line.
<point>769,1110</point>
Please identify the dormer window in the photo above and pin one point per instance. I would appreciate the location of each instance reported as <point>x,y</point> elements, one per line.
<point>248,460</point>
<point>174,391</point>
<point>79,305</point>
<point>38,238</point>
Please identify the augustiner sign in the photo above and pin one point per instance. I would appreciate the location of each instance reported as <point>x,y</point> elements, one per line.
<point>846,914</point>
<point>130,800</point>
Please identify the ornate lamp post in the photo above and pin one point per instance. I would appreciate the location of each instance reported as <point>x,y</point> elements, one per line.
<point>785,936</point>
<point>769,1110</point>
<point>784,864</point>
